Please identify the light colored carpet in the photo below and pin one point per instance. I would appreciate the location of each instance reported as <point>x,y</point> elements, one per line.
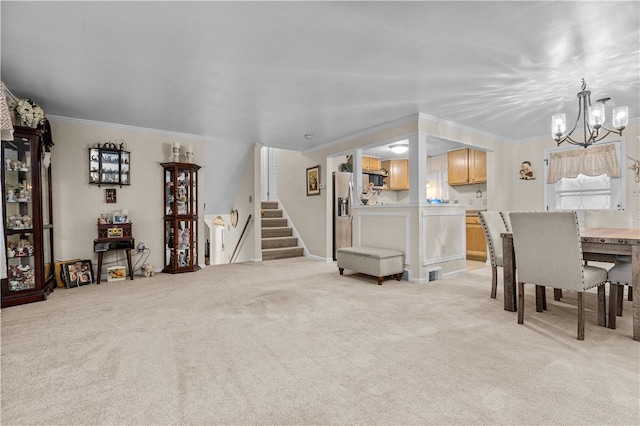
<point>292,342</point>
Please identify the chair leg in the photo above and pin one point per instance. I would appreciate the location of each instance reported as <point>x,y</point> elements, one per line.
<point>630,294</point>
<point>494,281</point>
<point>580,315</point>
<point>540,298</point>
<point>520,303</point>
<point>557,294</point>
<point>620,299</point>
<point>602,307</point>
<point>613,305</point>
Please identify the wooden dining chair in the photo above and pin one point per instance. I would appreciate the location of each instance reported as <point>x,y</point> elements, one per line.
<point>493,226</point>
<point>548,253</point>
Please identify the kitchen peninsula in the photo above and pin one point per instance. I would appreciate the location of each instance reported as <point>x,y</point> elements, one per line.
<point>432,236</point>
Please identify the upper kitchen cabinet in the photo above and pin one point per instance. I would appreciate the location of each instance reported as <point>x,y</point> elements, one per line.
<point>369,164</point>
<point>398,174</point>
<point>467,166</point>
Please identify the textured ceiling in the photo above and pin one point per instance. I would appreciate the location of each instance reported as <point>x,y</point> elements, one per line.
<point>271,72</point>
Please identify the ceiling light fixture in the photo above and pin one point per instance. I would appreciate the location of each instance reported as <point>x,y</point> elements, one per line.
<point>593,118</point>
<point>308,136</point>
<point>399,148</point>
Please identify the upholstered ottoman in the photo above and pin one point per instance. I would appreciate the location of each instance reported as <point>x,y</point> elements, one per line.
<point>379,262</point>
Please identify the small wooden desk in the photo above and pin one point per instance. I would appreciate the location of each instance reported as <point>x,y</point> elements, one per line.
<point>129,244</point>
<point>625,241</point>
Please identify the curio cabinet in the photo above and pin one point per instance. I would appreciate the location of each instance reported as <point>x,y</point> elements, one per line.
<point>27,218</point>
<point>180,217</point>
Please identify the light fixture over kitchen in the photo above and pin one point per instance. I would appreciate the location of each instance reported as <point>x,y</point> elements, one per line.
<point>399,148</point>
<point>593,118</point>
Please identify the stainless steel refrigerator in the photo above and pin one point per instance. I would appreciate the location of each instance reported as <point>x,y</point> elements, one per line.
<point>342,202</point>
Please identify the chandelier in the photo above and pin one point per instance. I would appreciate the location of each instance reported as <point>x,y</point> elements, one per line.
<point>593,118</point>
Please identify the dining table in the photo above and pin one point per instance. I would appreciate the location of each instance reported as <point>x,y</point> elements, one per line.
<point>595,241</point>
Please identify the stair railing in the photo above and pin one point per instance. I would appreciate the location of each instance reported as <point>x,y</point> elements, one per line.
<point>239,240</point>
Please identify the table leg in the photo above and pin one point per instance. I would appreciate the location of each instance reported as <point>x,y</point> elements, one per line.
<point>509,274</point>
<point>100,253</point>
<point>129,263</point>
<point>635,279</point>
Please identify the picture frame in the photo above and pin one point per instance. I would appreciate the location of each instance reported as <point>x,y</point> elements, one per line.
<point>110,195</point>
<point>119,219</point>
<point>78,273</point>
<point>116,273</point>
<point>313,180</point>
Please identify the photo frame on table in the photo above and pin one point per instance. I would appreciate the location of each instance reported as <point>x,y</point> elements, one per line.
<point>313,180</point>
<point>116,273</point>
<point>78,273</point>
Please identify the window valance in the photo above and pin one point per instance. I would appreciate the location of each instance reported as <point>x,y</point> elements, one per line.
<point>592,161</point>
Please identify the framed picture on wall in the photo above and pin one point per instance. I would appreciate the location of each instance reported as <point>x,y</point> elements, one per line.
<point>313,180</point>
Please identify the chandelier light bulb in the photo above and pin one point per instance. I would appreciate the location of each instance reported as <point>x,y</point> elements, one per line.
<point>558,125</point>
<point>620,117</point>
<point>596,115</point>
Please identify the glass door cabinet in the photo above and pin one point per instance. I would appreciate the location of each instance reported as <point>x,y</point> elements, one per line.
<point>180,217</point>
<point>27,219</point>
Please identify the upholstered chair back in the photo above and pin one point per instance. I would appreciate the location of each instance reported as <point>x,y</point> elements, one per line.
<point>608,219</point>
<point>548,250</point>
<point>507,220</point>
<point>493,226</point>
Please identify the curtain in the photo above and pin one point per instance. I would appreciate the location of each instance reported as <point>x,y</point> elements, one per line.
<point>592,161</point>
<point>437,186</point>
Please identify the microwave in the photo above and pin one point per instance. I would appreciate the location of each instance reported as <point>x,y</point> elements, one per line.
<point>377,180</point>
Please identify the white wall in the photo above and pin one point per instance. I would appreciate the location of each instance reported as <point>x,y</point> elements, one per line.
<point>77,204</point>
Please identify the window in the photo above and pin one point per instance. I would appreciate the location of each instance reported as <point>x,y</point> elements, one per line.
<point>580,192</point>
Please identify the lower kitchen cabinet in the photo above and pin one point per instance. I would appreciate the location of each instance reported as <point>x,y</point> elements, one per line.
<point>476,241</point>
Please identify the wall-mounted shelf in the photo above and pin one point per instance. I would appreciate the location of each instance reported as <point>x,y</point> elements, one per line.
<point>109,164</point>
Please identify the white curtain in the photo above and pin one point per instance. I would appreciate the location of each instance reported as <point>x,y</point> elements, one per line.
<point>593,161</point>
<point>437,177</point>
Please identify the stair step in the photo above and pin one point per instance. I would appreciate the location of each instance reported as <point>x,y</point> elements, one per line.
<point>281,253</point>
<point>271,213</point>
<point>269,205</point>
<point>276,231</point>
<point>269,222</point>
<point>279,242</point>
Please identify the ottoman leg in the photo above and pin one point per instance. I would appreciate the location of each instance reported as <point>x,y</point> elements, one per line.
<point>398,277</point>
<point>341,271</point>
<point>380,279</point>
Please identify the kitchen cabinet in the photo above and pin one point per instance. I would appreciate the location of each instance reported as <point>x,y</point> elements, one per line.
<point>180,217</point>
<point>398,174</point>
<point>369,164</point>
<point>476,241</point>
<point>466,166</point>
<point>28,219</point>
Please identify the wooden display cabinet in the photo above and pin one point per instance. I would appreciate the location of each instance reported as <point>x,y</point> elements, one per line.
<point>109,164</point>
<point>28,220</point>
<point>180,217</point>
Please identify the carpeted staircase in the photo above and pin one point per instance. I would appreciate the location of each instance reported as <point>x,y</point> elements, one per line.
<point>277,236</point>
